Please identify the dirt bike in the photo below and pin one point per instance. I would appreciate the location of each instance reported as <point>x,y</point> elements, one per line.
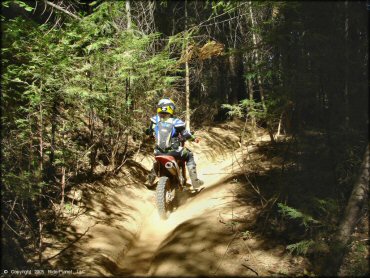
<point>172,180</point>
<point>171,175</point>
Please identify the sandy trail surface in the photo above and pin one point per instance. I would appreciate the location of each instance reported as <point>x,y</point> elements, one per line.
<point>202,236</point>
<point>120,232</point>
<point>158,250</point>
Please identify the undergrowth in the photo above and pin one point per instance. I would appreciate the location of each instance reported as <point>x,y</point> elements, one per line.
<point>312,185</point>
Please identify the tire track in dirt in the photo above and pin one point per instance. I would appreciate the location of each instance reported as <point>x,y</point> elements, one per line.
<point>144,256</point>
<point>201,237</point>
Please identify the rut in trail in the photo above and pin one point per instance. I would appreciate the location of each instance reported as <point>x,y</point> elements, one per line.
<point>201,237</point>
<point>206,235</point>
<point>189,223</point>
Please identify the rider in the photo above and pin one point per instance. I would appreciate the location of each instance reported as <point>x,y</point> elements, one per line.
<point>165,119</point>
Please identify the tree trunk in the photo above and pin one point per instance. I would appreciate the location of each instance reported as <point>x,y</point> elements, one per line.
<point>51,169</point>
<point>358,198</point>
<point>346,75</point>
<point>251,99</point>
<point>40,243</point>
<point>128,79</point>
<point>63,179</point>
<point>233,80</point>
<point>53,131</point>
<point>40,180</point>
<point>63,185</point>
<point>128,14</point>
<point>259,78</point>
<point>249,86</point>
<point>241,88</point>
<point>279,126</point>
<point>30,160</point>
<point>94,149</point>
<point>256,56</point>
<point>187,74</point>
<point>41,144</point>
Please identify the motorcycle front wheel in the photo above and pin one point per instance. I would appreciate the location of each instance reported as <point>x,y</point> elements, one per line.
<point>165,197</point>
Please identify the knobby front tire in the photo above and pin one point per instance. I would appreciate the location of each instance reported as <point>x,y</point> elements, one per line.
<point>162,204</point>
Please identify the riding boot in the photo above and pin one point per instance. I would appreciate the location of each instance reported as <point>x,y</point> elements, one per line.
<point>153,174</point>
<point>193,175</point>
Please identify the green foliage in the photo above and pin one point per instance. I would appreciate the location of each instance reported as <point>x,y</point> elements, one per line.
<point>222,6</point>
<point>357,260</point>
<point>91,68</point>
<point>246,235</point>
<point>20,3</point>
<point>292,213</point>
<point>327,206</point>
<point>234,110</point>
<point>246,106</point>
<point>68,207</point>
<point>93,3</point>
<point>74,99</point>
<point>21,184</point>
<point>301,247</point>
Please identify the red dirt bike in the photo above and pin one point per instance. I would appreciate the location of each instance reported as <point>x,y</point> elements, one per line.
<point>172,180</point>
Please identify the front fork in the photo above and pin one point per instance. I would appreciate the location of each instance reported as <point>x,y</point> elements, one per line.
<point>183,175</point>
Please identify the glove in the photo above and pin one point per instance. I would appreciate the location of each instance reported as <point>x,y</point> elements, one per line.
<point>148,131</point>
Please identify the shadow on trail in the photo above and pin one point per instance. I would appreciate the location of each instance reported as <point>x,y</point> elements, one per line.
<point>197,242</point>
<point>184,249</point>
<point>298,174</point>
<point>187,232</point>
<point>93,240</point>
<point>195,247</point>
<point>205,245</point>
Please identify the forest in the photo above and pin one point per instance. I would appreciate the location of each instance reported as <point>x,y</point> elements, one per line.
<point>80,80</point>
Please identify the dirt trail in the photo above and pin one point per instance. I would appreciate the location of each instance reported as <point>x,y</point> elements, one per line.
<point>199,237</point>
<point>204,236</point>
<point>139,259</point>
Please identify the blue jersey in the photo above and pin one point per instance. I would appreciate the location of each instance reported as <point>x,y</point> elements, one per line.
<point>178,127</point>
